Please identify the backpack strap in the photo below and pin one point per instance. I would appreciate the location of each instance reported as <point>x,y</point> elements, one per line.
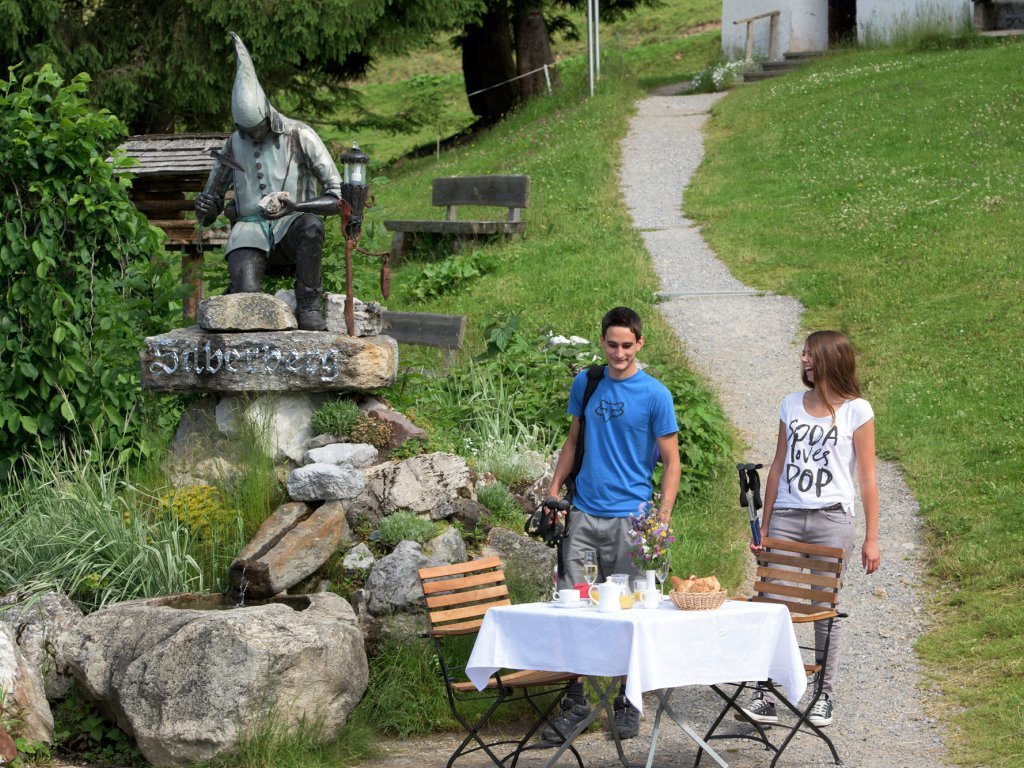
<point>594,375</point>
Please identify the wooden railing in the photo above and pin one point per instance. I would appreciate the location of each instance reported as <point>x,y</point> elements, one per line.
<point>772,34</point>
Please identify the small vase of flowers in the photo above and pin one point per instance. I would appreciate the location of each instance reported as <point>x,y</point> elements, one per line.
<point>650,539</point>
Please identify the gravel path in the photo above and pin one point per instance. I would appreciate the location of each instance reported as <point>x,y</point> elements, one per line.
<point>747,346</point>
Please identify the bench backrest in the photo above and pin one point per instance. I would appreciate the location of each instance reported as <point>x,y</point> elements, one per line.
<point>512,192</point>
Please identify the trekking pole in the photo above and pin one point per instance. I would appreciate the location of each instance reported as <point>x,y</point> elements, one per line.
<point>753,482</point>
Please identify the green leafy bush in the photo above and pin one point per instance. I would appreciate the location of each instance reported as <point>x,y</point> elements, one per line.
<point>79,728</point>
<point>83,275</point>
<point>502,505</point>
<point>406,526</point>
<point>452,274</point>
<point>337,417</point>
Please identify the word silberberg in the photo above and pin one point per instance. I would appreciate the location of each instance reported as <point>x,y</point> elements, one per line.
<point>262,359</point>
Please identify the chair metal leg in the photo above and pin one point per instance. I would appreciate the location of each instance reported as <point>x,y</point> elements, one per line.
<point>730,704</point>
<point>803,718</point>
<point>473,731</point>
<point>544,718</point>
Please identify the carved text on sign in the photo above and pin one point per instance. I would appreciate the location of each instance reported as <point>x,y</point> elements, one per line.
<point>170,359</point>
<point>192,360</point>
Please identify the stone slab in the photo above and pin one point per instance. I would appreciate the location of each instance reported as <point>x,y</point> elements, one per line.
<point>191,360</point>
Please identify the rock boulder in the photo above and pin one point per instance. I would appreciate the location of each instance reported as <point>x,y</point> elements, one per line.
<point>23,690</point>
<point>187,684</point>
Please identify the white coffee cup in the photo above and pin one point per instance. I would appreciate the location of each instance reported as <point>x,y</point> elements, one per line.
<point>652,598</point>
<point>567,596</point>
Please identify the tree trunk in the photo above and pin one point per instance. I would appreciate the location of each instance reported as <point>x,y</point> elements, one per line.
<point>487,61</point>
<point>533,51</point>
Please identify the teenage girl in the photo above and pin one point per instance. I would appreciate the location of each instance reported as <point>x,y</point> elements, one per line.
<point>826,433</point>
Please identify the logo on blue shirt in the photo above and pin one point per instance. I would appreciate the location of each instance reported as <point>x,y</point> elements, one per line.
<point>608,411</point>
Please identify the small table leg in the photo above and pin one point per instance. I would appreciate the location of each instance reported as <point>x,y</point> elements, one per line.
<point>602,703</point>
<point>663,706</point>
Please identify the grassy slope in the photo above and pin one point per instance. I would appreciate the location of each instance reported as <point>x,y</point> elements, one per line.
<point>886,192</point>
<point>655,36</point>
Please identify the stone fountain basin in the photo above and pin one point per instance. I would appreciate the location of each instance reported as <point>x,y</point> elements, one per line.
<point>189,675</point>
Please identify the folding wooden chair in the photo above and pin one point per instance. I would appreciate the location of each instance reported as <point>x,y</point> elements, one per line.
<point>806,578</point>
<point>457,597</point>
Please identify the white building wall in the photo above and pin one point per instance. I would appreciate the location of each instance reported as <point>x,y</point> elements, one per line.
<point>881,20</point>
<point>803,24</point>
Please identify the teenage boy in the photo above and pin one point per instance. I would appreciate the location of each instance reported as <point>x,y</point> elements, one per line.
<point>628,415</point>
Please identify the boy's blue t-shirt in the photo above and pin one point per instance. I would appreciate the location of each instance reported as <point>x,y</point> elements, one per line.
<point>623,421</point>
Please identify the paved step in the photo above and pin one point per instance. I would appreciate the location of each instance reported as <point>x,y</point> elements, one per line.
<point>790,62</point>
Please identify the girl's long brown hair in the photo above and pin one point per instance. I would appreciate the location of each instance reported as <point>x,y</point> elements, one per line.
<point>835,367</point>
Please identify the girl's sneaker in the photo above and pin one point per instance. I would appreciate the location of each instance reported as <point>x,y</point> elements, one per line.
<point>821,712</point>
<point>760,710</point>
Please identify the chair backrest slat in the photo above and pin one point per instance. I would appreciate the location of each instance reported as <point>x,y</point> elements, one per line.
<point>461,598</point>
<point>798,561</point>
<point>793,607</point>
<point>459,595</point>
<point>463,582</point>
<point>799,577</point>
<point>800,593</point>
<point>806,578</point>
<point>814,550</point>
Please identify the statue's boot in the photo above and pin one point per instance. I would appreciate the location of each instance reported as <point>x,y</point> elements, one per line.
<point>307,232</point>
<point>245,270</point>
<point>307,308</point>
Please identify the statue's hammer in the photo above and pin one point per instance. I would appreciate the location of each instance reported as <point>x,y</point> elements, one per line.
<point>226,164</point>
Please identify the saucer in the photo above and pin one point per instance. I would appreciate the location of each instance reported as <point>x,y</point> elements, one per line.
<point>577,604</point>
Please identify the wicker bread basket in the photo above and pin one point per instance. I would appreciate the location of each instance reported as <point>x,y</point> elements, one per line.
<point>697,601</point>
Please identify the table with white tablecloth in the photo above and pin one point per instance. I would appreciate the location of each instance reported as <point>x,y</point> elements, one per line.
<point>657,649</point>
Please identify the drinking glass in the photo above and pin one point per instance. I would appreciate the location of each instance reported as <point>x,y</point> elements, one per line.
<point>590,567</point>
<point>662,574</point>
<point>639,587</point>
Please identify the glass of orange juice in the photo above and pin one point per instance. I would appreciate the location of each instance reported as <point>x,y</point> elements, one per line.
<point>639,587</point>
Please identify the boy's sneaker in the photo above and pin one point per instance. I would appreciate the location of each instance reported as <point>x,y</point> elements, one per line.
<point>821,712</point>
<point>760,710</point>
<point>627,718</point>
<point>573,713</point>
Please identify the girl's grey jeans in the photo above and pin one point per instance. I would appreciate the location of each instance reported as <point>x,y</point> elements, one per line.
<point>829,528</point>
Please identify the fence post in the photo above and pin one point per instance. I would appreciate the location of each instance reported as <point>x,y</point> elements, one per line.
<point>772,37</point>
<point>749,53</point>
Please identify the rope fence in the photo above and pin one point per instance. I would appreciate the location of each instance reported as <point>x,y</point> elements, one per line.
<point>544,68</point>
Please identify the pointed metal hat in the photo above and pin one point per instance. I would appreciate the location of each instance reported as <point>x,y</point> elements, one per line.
<point>249,104</point>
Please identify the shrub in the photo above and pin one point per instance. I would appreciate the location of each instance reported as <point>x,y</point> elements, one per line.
<point>199,507</point>
<point>452,274</point>
<point>406,526</point>
<point>502,505</point>
<point>337,417</point>
<point>83,274</point>
<point>375,432</point>
<point>720,77</point>
<point>62,526</point>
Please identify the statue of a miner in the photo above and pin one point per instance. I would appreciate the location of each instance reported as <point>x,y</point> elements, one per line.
<point>268,155</point>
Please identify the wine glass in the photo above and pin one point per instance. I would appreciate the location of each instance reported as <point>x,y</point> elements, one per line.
<point>662,572</point>
<point>590,567</point>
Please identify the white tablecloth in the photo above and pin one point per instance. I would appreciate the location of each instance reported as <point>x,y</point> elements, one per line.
<point>656,648</point>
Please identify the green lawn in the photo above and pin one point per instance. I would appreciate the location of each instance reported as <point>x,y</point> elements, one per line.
<point>885,191</point>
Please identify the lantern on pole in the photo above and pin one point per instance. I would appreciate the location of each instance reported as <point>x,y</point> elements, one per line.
<point>354,192</point>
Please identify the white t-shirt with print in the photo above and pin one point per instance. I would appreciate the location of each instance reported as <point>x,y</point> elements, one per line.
<point>820,461</point>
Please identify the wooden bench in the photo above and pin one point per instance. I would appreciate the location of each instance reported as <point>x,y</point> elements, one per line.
<point>511,192</point>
